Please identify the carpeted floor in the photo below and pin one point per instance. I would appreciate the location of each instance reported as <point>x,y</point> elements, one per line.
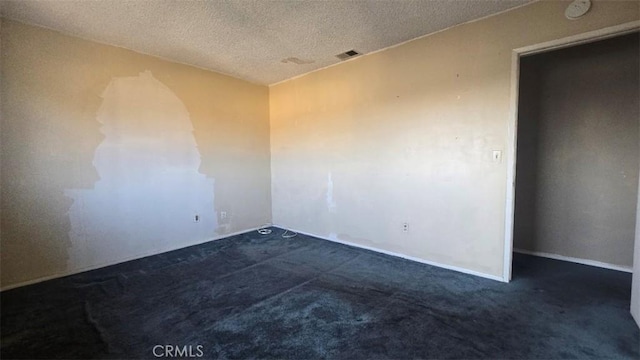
<point>262,296</point>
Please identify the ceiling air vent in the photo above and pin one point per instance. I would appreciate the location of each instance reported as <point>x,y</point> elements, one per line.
<point>347,55</point>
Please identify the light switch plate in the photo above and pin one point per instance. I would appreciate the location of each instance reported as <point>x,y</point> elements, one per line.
<point>496,156</point>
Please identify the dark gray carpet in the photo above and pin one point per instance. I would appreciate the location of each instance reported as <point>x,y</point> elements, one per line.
<point>262,296</point>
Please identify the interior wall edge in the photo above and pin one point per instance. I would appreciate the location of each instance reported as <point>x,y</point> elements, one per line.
<point>510,160</point>
<point>120,261</point>
<point>395,254</point>
<point>588,262</point>
<point>635,280</point>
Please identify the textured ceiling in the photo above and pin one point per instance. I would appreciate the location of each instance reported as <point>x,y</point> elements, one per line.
<point>249,39</point>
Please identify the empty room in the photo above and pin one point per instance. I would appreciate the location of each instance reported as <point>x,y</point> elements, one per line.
<point>339,179</point>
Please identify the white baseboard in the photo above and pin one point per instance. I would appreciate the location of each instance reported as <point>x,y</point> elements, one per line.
<point>419,260</point>
<point>119,261</point>
<point>576,260</point>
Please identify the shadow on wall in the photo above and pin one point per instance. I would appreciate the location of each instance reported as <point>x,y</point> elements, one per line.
<point>47,146</point>
<point>150,190</point>
<point>41,246</point>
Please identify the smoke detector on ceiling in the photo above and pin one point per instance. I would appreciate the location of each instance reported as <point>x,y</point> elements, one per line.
<point>577,9</point>
<point>348,54</point>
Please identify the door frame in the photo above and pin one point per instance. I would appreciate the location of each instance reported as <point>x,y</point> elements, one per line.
<point>512,126</point>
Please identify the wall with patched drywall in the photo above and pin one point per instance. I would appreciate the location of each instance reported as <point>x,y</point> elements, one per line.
<point>577,166</point>
<point>407,135</point>
<point>109,155</point>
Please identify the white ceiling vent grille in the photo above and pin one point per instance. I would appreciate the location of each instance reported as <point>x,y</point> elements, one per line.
<point>348,55</point>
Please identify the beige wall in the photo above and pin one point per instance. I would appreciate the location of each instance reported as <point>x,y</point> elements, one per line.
<point>407,134</point>
<point>403,135</point>
<point>577,166</point>
<point>108,155</point>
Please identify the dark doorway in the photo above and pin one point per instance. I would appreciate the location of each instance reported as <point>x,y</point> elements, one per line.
<point>577,154</point>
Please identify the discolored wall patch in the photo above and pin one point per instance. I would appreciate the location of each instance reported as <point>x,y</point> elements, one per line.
<point>150,196</point>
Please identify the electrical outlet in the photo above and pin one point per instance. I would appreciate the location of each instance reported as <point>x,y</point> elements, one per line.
<point>405,227</point>
<point>223,215</point>
<point>196,218</point>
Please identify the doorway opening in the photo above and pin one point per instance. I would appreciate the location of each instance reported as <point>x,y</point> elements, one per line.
<point>577,156</point>
<point>560,152</point>
<point>573,181</point>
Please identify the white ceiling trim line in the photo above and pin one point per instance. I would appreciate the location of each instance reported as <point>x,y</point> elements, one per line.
<point>405,42</point>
